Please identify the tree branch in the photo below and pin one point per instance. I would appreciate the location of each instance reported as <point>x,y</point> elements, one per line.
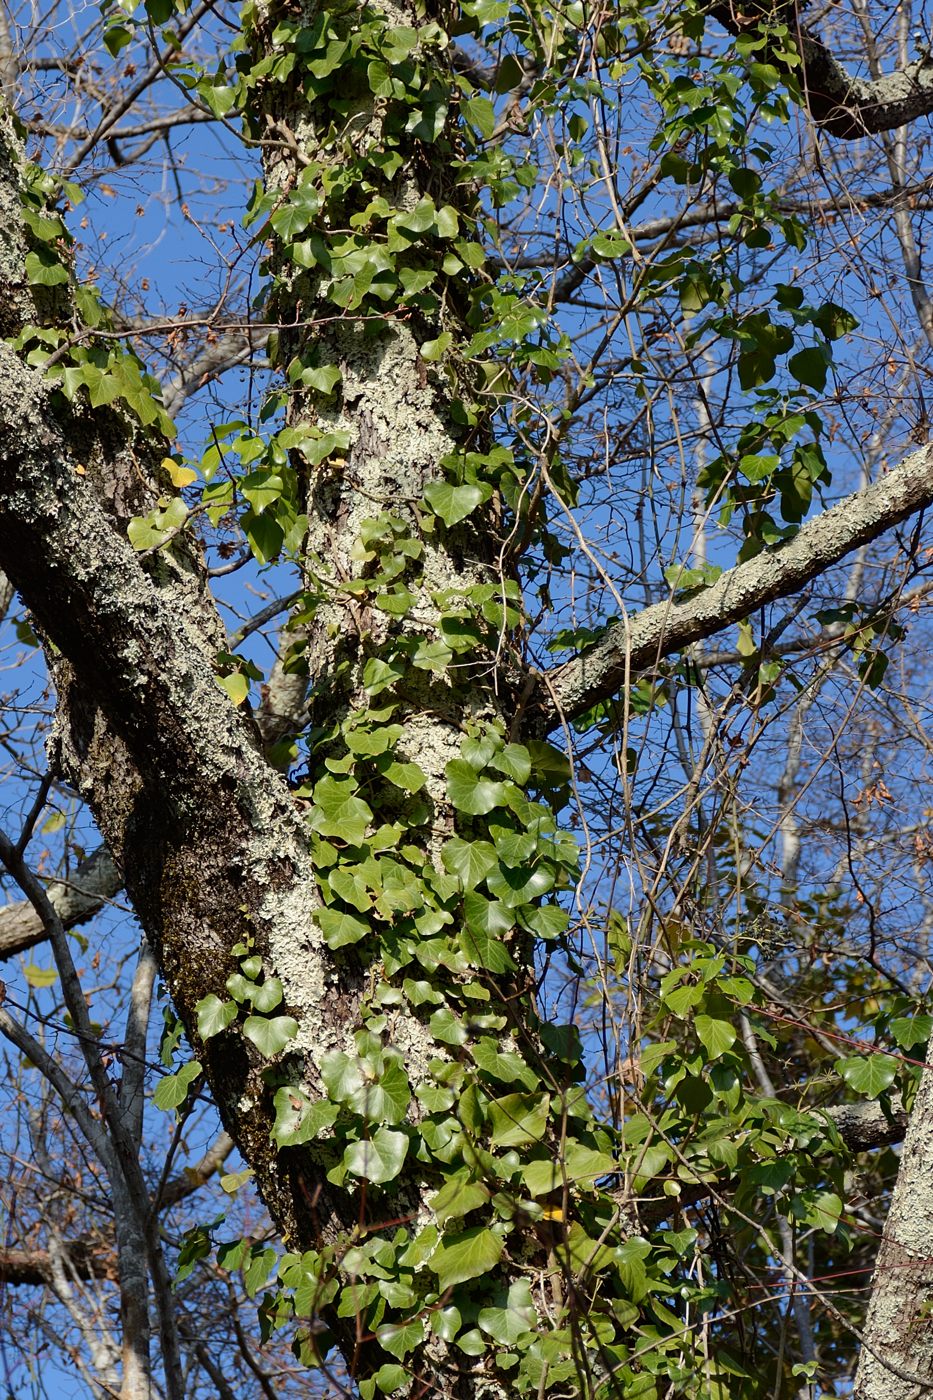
<point>838,103</point>
<point>35,1266</point>
<point>657,631</point>
<point>75,901</point>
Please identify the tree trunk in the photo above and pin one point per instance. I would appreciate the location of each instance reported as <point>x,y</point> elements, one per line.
<point>896,1361</point>
<point>226,872</point>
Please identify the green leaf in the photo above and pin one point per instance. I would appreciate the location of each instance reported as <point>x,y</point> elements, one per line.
<point>267,997</point>
<point>717,1036</point>
<point>340,928</point>
<point>470,861</point>
<point>390,1378</point>
<point>758,468</point>
<point>810,366</point>
<point>432,350</point>
<point>548,921</point>
<point>297,1119</point>
<point>454,503</point>
<point>270,1034</point>
<point>509,1324</point>
<point>519,885</point>
<point>214,1015</point>
<point>834,321</point>
<point>909,1031</point>
<point>339,812</point>
<point>470,792</point>
<point>172,1091</point>
<point>447,1027</point>
<point>264,534</point>
<point>457,1197</point>
<point>822,1211</point>
<point>380,1158</point>
<point>487,922</point>
<point>869,1075</point>
<point>584,1164</point>
<point>515,761</point>
<point>481,114</point>
<point>470,1255</point>
<point>504,1065</point>
<point>398,1339</point>
<point>407,776</point>
<point>681,999</point>
<point>386,1100</point>
<point>517,1119</point>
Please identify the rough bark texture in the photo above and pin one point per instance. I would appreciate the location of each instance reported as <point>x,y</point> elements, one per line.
<point>896,1361</point>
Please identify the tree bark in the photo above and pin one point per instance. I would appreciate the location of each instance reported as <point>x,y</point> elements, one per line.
<point>896,1361</point>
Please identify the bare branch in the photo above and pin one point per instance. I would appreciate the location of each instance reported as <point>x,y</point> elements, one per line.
<point>75,901</point>
<point>663,628</point>
<point>35,1266</point>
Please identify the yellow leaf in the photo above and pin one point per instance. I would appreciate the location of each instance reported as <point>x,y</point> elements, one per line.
<point>552,1213</point>
<point>39,976</point>
<point>180,476</point>
<point>747,645</point>
<point>236,686</point>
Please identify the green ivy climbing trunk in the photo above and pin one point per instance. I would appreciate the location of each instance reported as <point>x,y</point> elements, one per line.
<point>351,956</point>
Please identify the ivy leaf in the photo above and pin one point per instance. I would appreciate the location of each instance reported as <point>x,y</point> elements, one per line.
<point>470,861</point>
<point>270,1034</point>
<point>548,921</point>
<point>453,503</point>
<point>515,761</point>
<point>470,792</point>
<point>399,1339</point>
<point>504,1065</point>
<point>339,812</point>
<point>267,997</point>
<point>909,1031</point>
<point>340,928</point>
<point>390,1378</point>
<point>681,999</point>
<point>386,1100</point>
<point>378,1159</point>
<point>214,1015</point>
<point>486,924</point>
<point>755,467</point>
<point>407,776</point>
<point>457,1197</point>
<point>43,269</point>
<point>348,883</point>
<point>509,1324</point>
<point>265,536</point>
<point>517,1119</point>
<point>810,366</point>
<point>173,1089</point>
<point>822,1211</point>
<point>470,1255</point>
<point>297,1119</point>
<point>717,1036</point>
<point>481,114</point>
<point>519,885</point>
<point>868,1075</point>
<point>447,1027</point>
<point>342,1075</point>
